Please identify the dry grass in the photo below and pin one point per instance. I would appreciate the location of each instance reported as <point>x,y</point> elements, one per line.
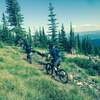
<point>22,81</point>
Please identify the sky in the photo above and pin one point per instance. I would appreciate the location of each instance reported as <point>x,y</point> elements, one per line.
<point>84,14</point>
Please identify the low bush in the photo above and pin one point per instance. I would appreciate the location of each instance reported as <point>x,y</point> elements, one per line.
<point>1,45</point>
<point>1,59</point>
<point>91,67</point>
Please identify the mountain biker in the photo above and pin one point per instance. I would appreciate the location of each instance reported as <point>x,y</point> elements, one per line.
<point>28,50</point>
<point>55,57</point>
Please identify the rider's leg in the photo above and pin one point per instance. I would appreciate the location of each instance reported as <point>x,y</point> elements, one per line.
<point>52,65</point>
<point>29,58</point>
<point>57,63</point>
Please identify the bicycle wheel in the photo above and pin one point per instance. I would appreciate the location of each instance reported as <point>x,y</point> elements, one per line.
<point>56,74</point>
<point>63,76</point>
<point>49,69</point>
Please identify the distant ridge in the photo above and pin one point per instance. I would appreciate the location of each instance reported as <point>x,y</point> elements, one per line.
<point>96,42</point>
<point>92,34</point>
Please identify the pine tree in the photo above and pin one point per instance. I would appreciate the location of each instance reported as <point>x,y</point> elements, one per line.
<point>59,40</point>
<point>89,46</point>
<point>78,43</point>
<point>29,37</point>
<point>63,39</point>
<point>36,39</point>
<point>40,37</point>
<point>52,24</point>
<point>15,18</point>
<point>96,51</point>
<point>72,39</point>
<point>0,33</point>
<point>86,45</point>
<point>6,36</point>
<point>44,38</point>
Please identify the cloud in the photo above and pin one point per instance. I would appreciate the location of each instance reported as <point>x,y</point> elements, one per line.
<point>86,27</point>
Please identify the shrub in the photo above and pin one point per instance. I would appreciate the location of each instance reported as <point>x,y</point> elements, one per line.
<point>1,59</point>
<point>1,45</point>
<point>91,67</point>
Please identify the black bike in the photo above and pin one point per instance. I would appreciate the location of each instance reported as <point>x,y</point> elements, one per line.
<point>57,73</point>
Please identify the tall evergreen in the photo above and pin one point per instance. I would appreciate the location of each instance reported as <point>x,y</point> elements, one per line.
<point>52,24</point>
<point>72,39</point>
<point>96,51</point>
<point>6,36</point>
<point>78,43</point>
<point>29,37</point>
<point>86,45</point>
<point>40,37</point>
<point>15,18</point>
<point>0,33</point>
<point>36,38</point>
<point>44,38</point>
<point>63,39</point>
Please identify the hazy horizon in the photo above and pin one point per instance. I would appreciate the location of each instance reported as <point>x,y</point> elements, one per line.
<point>84,14</point>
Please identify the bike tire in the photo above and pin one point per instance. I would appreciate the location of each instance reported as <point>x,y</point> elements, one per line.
<point>49,69</point>
<point>63,76</point>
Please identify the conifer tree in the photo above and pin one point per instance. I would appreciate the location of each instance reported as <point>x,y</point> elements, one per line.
<point>36,39</point>
<point>0,33</point>
<point>29,37</point>
<point>86,45</point>
<point>6,36</point>
<point>44,38</point>
<point>78,43</point>
<point>96,51</point>
<point>40,38</point>
<point>63,39</point>
<point>15,18</point>
<point>52,24</point>
<point>72,39</point>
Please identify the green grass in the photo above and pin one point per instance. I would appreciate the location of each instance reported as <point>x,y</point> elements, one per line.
<point>22,81</point>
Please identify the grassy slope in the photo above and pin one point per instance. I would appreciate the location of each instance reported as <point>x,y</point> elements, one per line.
<point>22,81</point>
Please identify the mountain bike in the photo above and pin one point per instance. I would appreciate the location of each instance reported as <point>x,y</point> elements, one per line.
<point>56,72</point>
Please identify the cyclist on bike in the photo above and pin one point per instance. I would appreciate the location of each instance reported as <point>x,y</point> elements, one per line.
<point>55,57</point>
